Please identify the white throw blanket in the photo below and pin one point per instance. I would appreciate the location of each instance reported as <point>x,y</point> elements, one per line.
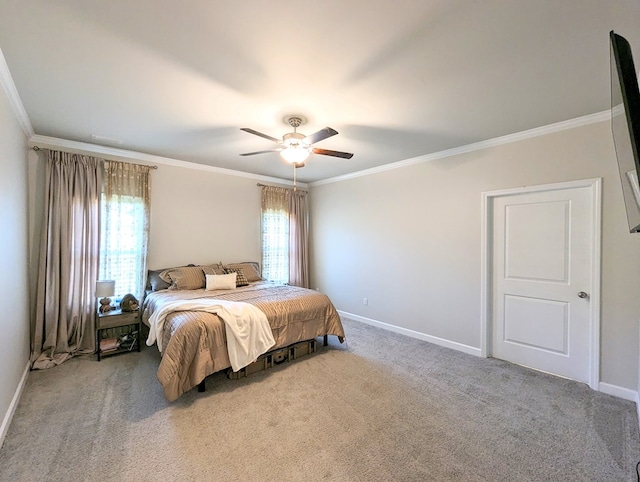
<point>247,328</point>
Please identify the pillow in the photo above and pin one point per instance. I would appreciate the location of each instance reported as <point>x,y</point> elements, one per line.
<point>187,278</point>
<point>251,270</point>
<point>241,280</point>
<point>220,281</point>
<point>213,269</point>
<point>158,280</point>
<point>155,282</point>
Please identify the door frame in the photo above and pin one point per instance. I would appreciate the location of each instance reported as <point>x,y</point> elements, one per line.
<point>486,283</point>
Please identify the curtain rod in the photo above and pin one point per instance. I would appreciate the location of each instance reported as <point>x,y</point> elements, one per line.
<point>267,185</point>
<point>37,148</point>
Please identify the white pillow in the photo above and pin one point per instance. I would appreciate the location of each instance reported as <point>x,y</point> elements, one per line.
<point>221,281</point>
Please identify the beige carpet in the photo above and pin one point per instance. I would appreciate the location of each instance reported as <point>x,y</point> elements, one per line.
<point>385,407</point>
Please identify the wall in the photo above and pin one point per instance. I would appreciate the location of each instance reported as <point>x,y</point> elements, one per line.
<point>14,323</point>
<point>203,217</point>
<point>409,240</point>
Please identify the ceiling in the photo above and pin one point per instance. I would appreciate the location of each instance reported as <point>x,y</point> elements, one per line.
<point>396,79</point>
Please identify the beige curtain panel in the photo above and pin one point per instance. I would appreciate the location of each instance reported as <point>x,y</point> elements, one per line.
<point>298,239</point>
<point>64,322</point>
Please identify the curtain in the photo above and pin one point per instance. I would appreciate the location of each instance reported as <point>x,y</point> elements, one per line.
<point>126,202</point>
<point>285,233</point>
<point>64,322</point>
<point>275,234</point>
<point>298,239</point>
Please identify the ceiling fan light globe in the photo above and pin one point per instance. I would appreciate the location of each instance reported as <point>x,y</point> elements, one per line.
<point>295,154</point>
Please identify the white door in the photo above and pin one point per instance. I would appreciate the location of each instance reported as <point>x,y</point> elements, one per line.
<point>543,253</point>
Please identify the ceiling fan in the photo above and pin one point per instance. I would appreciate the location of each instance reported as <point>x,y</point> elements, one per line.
<point>295,147</point>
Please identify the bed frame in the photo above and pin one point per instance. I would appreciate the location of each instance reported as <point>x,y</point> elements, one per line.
<point>271,360</point>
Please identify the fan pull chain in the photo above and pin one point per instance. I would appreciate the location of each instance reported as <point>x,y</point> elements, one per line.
<point>294,177</point>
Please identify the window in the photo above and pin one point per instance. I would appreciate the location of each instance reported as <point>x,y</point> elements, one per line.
<point>275,234</point>
<point>275,245</point>
<point>124,227</point>
<point>122,244</point>
<point>284,236</point>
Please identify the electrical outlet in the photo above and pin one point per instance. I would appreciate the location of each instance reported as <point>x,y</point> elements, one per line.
<point>365,301</point>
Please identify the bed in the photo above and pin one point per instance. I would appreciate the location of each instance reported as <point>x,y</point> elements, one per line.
<point>193,342</point>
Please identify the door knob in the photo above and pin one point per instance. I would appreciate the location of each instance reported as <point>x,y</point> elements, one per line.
<point>582,294</point>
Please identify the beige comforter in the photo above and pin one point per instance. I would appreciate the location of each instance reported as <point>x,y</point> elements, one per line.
<point>194,342</point>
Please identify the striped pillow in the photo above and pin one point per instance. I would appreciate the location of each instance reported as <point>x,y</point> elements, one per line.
<point>188,278</point>
<point>241,280</point>
<point>251,270</point>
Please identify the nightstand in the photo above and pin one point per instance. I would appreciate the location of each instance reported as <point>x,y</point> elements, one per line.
<point>128,321</point>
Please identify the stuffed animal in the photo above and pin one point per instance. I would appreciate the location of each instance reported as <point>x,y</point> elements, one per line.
<point>129,303</point>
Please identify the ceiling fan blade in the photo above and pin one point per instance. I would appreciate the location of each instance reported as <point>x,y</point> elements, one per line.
<point>256,133</point>
<point>260,152</point>
<point>329,152</point>
<point>320,135</point>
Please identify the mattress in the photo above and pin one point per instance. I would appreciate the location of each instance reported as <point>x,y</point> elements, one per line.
<point>194,342</point>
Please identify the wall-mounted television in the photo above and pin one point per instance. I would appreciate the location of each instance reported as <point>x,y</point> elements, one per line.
<point>625,124</point>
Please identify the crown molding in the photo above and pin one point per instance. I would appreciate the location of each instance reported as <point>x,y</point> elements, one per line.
<point>94,149</point>
<point>47,142</point>
<point>9,87</point>
<point>497,141</point>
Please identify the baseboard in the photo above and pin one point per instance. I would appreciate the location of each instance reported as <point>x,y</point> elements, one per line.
<point>620,392</point>
<point>624,393</point>
<point>638,406</point>
<point>413,334</point>
<point>4,428</point>
<point>609,389</point>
